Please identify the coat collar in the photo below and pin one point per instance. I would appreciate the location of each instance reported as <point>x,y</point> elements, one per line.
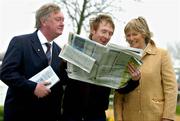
<point>150,50</point>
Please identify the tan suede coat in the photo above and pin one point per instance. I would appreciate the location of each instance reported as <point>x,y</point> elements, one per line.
<point>155,98</point>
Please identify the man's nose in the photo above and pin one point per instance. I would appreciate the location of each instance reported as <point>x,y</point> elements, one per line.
<point>107,36</point>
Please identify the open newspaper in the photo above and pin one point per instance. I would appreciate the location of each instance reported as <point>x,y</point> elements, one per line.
<point>46,74</point>
<point>94,63</point>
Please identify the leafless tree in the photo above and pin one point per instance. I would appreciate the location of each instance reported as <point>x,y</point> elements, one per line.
<point>79,11</point>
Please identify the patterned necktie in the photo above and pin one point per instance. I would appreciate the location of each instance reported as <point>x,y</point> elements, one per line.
<point>48,52</point>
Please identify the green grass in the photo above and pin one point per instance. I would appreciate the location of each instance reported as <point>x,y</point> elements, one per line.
<point>1,113</point>
<point>178,110</point>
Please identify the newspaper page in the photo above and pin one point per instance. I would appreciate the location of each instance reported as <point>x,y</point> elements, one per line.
<point>46,74</point>
<point>108,63</point>
<point>78,58</point>
<point>135,52</point>
<point>82,52</point>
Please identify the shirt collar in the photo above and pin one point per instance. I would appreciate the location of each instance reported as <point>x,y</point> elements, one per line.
<point>42,38</point>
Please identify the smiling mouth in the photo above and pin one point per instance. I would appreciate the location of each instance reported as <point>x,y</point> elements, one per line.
<point>104,42</point>
<point>132,43</point>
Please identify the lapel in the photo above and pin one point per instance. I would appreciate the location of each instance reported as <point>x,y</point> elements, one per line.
<point>38,47</point>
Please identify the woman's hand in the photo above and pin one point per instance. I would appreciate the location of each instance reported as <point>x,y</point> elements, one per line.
<point>134,72</point>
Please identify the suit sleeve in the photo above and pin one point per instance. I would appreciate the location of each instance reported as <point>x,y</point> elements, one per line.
<point>63,68</point>
<point>131,85</point>
<point>11,69</point>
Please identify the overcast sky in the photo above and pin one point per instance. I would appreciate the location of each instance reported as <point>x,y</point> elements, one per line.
<point>17,17</point>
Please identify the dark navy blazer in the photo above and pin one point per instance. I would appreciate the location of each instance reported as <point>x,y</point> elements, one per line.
<point>23,59</point>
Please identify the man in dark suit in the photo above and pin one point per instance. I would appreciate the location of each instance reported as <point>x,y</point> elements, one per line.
<point>25,57</point>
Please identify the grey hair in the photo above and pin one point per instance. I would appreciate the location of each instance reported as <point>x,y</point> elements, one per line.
<point>44,12</point>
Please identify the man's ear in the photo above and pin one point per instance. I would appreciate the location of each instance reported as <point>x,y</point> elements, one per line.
<point>43,21</point>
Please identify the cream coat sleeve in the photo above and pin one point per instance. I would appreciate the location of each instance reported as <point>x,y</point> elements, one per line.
<point>169,86</point>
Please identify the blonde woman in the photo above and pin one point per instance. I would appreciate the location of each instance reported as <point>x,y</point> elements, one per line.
<point>155,97</point>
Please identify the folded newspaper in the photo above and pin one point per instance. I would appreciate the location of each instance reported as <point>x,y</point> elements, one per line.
<point>94,63</point>
<point>46,74</point>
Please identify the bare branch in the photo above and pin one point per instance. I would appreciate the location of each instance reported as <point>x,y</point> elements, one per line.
<point>79,11</point>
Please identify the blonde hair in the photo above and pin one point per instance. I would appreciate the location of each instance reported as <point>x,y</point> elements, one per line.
<point>44,12</point>
<point>139,25</point>
<point>94,22</point>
